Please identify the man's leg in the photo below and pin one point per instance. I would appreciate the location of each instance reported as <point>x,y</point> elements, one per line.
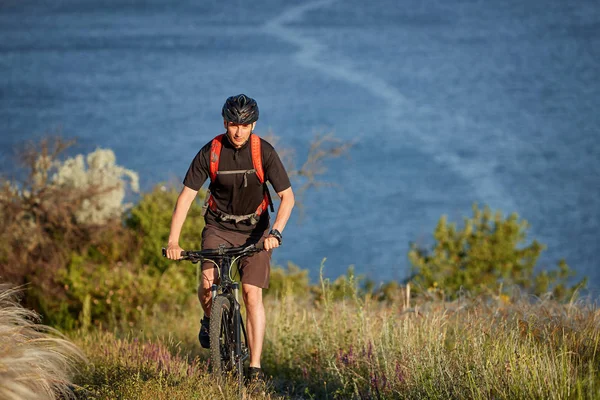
<point>255,321</point>
<point>211,239</point>
<point>204,294</point>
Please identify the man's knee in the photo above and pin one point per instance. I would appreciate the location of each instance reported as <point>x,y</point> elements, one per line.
<point>252,296</point>
<point>208,278</point>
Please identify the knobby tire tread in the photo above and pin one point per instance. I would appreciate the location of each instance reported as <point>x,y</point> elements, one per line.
<point>220,314</point>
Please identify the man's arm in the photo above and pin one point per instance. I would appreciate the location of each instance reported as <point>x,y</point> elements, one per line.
<point>184,201</point>
<point>283,214</point>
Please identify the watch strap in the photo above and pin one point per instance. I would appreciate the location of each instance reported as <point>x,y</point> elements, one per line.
<point>276,234</point>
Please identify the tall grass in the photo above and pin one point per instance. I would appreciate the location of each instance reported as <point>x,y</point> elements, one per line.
<point>474,348</point>
<point>36,362</point>
<point>359,348</point>
<point>158,358</point>
<point>158,368</point>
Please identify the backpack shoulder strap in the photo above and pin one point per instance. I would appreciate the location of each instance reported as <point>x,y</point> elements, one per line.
<point>256,150</point>
<point>215,153</point>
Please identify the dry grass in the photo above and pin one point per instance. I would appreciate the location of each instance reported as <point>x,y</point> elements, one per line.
<point>35,361</point>
<point>157,368</point>
<point>474,348</point>
<point>358,348</point>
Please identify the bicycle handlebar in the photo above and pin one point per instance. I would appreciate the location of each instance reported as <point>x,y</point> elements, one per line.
<point>197,255</point>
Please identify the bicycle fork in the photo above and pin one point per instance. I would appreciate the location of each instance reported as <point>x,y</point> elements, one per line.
<point>237,321</point>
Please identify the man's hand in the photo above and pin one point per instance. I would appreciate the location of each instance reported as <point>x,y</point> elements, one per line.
<point>271,242</point>
<point>174,251</point>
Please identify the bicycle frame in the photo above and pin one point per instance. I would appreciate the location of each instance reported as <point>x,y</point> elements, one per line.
<point>230,289</point>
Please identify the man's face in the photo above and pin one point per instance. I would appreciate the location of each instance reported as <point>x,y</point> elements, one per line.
<point>238,134</point>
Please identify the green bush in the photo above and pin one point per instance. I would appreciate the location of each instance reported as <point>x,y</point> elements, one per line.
<point>56,211</point>
<point>120,293</point>
<point>150,218</point>
<point>135,279</point>
<point>288,282</point>
<point>63,236</point>
<point>486,256</point>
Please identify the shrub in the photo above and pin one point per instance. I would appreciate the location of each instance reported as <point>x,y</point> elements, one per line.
<point>288,282</point>
<point>45,224</point>
<point>101,173</point>
<point>118,294</point>
<point>136,280</point>
<point>150,219</point>
<point>487,255</point>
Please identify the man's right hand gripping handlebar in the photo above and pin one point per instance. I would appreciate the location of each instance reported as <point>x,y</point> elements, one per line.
<point>173,252</point>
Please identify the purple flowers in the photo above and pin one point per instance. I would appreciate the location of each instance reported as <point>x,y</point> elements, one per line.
<point>346,358</point>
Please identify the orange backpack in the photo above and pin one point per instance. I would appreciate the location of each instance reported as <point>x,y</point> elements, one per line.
<point>255,150</point>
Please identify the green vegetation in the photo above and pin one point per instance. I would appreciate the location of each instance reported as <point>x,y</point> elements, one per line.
<point>81,263</point>
<point>93,268</point>
<point>361,348</point>
<point>488,255</point>
<point>150,218</point>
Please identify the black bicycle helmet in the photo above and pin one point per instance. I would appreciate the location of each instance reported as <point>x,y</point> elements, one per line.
<point>240,109</point>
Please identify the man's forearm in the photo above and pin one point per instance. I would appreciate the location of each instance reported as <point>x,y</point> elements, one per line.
<point>285,209</point>
<point>184,201</point>
<point>176,224</point>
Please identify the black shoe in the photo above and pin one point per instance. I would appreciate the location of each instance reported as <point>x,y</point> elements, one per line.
<point>204,335</point>
<point>256,381</point>
<point>256,375</point>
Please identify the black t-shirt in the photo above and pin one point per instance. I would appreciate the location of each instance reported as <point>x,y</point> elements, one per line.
<point>233,193</point>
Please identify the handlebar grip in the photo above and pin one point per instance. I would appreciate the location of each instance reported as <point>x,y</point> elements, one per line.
<point>164,253</point>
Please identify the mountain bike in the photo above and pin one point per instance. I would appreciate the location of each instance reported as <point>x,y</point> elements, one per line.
<point>228,339</point>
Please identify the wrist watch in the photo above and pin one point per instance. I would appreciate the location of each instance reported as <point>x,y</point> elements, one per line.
<point>277,235</point>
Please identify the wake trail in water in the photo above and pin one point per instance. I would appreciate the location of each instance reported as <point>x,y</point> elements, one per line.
<point>479,171</point>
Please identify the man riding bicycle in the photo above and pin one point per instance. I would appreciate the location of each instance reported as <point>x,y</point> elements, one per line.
<point>239,164</point>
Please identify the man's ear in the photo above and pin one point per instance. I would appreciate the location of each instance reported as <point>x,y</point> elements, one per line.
<point>253,125</point>
<point>225,124</point>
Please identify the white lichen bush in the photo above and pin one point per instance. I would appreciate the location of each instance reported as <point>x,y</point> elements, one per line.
<point>101,174</point>
<point>35,361</point>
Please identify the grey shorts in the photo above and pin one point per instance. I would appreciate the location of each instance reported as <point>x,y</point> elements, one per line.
<point>255,269</point>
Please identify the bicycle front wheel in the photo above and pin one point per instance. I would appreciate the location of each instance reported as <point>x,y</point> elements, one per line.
<point>222,349</point>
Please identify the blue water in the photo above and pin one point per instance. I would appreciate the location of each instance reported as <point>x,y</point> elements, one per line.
<point>447,103</point>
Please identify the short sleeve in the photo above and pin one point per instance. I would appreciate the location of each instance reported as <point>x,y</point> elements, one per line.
<point>198,171</point>
<point>274,170</point>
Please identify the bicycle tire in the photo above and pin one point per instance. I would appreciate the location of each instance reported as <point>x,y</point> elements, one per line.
<point>221,335</point>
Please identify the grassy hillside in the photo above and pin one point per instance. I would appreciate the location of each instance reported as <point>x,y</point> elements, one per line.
<point>358,348</point>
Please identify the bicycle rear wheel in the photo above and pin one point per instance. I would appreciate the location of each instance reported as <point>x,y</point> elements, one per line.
<point>222,349</point>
